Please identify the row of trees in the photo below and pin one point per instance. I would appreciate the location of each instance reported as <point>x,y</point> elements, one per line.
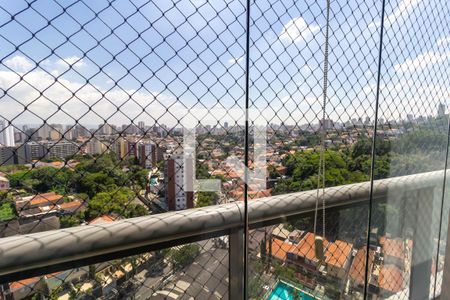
<point>413,152</point>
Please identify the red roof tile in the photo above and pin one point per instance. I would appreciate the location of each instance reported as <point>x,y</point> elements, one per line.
<point>337,253</point>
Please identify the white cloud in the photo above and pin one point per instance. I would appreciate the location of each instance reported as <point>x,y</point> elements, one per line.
<point>424,60</point>
<point>420,62</point>
<point>443,41</point>
<point>103,102</point>
<point>297,30</point>
<point>402,10</point>
<point>19,63</point>
<point>71,61</point>
<point>233,60</point>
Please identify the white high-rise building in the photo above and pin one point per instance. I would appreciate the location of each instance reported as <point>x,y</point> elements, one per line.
<point>6,134</point>
<point>176,197</point>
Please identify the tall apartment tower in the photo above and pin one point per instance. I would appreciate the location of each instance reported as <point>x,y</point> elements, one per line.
<point>121,147</point>
<point>6,134</point>
<point>44,131</point>
<point>176,197</point>
<point>148,154</point>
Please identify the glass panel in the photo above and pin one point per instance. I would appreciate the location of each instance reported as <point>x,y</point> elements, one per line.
<point>283,261</point>
<point>191,271</point>
<point>287,56</point>
<point>93,126</point>
<point>411,142</point>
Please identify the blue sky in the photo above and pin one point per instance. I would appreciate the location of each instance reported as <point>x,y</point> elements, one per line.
<point>165,60</point>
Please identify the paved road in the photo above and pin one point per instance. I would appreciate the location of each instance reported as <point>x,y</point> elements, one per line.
<point>206,278</point>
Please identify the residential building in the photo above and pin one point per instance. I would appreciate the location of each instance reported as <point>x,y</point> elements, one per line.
<point>30,151</point>
<point>358,268</point>
<point>337,258</point>
<point>147,154</point>
<point>23,288</point>
<point>279,249</point>
<point>6,134</point>
<point>80,131</point>
<point>105,129</point>
<point>44,131</point>
<point>8,155</point>
<point>390,280</point>
<point>40,200</point>
<point>95,146</point>
<point>55,135</point>
<point>103,219</point>
<point>61,149</point>
<point>68,133</point>
<point>304,252</point>
<point>121,147</point>
<point>393,251</point>
<point>176,197</point>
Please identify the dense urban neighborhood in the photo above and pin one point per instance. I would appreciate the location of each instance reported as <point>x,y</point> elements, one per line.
<point>57,177</point>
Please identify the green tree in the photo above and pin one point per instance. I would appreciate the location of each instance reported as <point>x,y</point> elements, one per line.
<point>206,199</point>
<point>71,220</point>
<point>7,211</point>
<point>184,255</point>
<point>115,202</point>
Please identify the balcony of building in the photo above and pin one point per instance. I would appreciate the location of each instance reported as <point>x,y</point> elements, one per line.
<point>126,128</point>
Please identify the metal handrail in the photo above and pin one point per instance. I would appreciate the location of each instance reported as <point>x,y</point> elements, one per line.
<point>24,255</point>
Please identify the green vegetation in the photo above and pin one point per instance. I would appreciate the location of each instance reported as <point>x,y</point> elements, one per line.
<point>183,255</point>
<point>116,202</point>
<point>7,211</point>
<point>107,184</point>
<point>285,272</point>
<point>302,171</point>
<point>206,199</point>
<point>421,150</point>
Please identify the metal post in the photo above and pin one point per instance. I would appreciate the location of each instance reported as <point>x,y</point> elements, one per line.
<point>236,264</point>
<point>422,251</point>
<point>445,288</point>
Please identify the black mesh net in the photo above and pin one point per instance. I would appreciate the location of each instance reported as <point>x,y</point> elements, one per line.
<point>97,98</point>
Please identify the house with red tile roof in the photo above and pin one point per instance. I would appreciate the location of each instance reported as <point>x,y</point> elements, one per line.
<point>390,279</point>
<point>279,249</point>
<point>337,258</point>
<point>24,288</point>
<point>39,200</point>
<point>305,250</point>
<point>103,219</point>
<point>358,268</point>
<point>393,251</point>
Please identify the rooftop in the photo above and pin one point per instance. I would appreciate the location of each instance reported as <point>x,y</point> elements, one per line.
<point>390,278</point>
<point>338,253</point>
<point>358,267</point>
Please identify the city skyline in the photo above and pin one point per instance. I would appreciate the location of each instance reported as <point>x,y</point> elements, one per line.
<point>290,46</point>
<point>441,110</point>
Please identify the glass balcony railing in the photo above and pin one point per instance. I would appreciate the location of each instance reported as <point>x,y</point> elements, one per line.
<point>192,149</point>
<point>147,256</point>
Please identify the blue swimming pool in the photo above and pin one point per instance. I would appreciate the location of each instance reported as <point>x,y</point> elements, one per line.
<point>284,291</point>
